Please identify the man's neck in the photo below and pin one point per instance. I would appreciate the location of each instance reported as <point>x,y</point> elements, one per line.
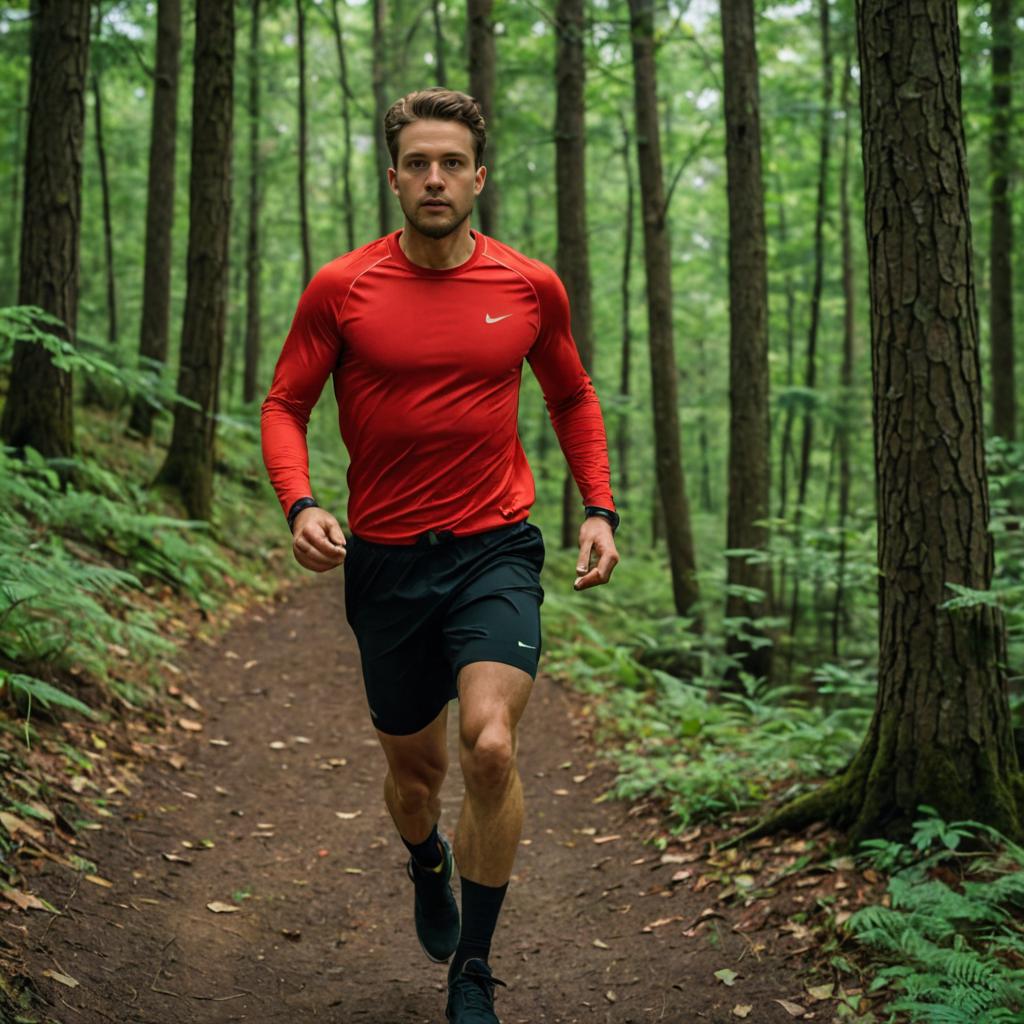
<point>437,253</point>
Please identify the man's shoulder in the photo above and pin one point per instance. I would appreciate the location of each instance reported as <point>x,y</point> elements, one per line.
<point>538,272</point>
<point>343,270</point>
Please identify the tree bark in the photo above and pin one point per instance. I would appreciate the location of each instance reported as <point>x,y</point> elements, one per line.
<point>749,449</point>
<point>625,360</point>
<point>156,285</point>
<point>250,373</point>
<point>439,47</point>
<point>658,262</point>
<point>845,423</point>
<point>572,259</point>
<point>307,257</point>
<point>190,458</point>
<point>480,31</point>
<point>380,105</point>
<point>10,295</point>
<point>38,409</point>
<point>346,125</point>
<point>101,157</point>
<point>1004,394</point>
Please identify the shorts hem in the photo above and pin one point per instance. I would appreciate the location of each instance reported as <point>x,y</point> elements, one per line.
<point>528,665</point>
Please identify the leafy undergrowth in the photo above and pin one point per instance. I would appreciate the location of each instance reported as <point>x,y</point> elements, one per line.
<point>101,580</point>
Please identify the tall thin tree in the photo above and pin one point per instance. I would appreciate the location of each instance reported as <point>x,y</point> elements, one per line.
<point>307,257</point>
<point>480,30</point>
<point>189,463</point>
<point>626,332</point>
<point>573,258</point>
<point>1001,339</point>
<point>380,105</point>
<point>253,256</point>
<point>749,449</point>
<point>440,72</point>
<point>658,261</point>
<point>38,410</point>
<point>156,283</point>
<point>346,127</point>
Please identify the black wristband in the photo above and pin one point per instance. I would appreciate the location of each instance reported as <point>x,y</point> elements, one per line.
<point>603,513</point>
<point>297,507</point>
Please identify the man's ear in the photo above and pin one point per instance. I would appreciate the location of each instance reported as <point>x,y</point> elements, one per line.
<point>481,177</point>
<point>393,180</point>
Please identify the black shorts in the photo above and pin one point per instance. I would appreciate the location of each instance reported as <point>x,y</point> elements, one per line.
<point>421,612</point>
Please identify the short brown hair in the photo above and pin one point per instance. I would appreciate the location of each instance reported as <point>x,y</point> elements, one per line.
<point>435,103</point>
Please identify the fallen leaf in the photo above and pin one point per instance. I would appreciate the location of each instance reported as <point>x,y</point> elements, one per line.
<point>348,815</point>
<point>793,1009</point>
<point>220,743</point>
<point>561,792</point>
<point>189,725</point>
<point>601,945</point>
<point>726,976</point>
<point>96,880</point>
<point>231,654</point>
<point>679,858</point>
<point>64,979</point>
<point>682,875</point>
<point>176,761</point>
<point>250,664</point>
<point>278,745</point>
<point>610,996</point>
<point>353,871</point>
<point>78,783</point>
<point>291,933</point>
<point>742,1010</point>
<point>175,859</point>
<point>14,825</point>
<point>660,923</point>
<point>25,900</point>
<point>302,739</point>
<point>606,839</point>
<point>190,702</point>
<point>819,992</point>
<point>219,907</point>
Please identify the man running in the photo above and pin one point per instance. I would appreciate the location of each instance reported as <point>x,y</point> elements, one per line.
<point>425,332</point>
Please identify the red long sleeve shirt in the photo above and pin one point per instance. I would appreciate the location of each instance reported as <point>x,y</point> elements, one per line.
<point>426,366</point>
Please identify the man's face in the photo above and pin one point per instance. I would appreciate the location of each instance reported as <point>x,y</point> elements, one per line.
<point>435,178</point>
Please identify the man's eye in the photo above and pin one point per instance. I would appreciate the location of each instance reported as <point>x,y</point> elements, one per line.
<point>454,163</point>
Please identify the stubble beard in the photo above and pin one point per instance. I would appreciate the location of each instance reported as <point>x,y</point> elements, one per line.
<point>431,229</point>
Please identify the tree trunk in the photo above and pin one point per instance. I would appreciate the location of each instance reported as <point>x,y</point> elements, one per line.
<point>156,285</point>
<point>190,458</point>
<point>658,261</point>
<point>941,732</point>
<point>38,410</point>
<point>480,31</point>
<point>749,450</point>
<point>707,503</point>
<point>625,367</point>
<point>846,371</point>
<point>250,374</point>
<point>825,144</point>
<point>91,393</point>
<point>572,259</point>
<point>441,76</point>
<point>307,258</point>
<point>1004,400</point>
<point>346,125</point>
<point>380,106</point>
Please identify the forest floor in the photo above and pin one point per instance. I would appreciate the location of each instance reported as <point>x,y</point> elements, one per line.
<point>268,802</point>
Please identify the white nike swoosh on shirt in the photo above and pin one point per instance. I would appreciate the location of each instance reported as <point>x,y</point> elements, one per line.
<point>488,319</point>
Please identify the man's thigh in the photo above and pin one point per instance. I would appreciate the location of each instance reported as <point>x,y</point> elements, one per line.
<point>492,696</point>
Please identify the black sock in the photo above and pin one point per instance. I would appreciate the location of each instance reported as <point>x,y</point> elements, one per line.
<point>481,905</point>
<point>427,854</point>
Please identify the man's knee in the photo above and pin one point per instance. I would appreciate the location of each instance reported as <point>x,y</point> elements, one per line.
<point>488,759</point>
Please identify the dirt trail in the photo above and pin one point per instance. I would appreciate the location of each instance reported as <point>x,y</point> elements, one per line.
<point>326,931</point>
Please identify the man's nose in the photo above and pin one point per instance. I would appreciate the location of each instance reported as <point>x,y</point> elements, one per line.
<point>434,177</point>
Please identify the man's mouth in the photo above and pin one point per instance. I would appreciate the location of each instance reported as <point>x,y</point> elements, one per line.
<point>434,202</point>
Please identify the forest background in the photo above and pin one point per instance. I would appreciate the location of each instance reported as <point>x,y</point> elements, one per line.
<point>714,693</point>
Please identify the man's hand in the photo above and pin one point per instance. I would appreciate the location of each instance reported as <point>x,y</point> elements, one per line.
<point>596,541</point>
<point>317,540</point>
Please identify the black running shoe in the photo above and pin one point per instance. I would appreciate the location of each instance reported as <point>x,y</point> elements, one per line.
<point>434,908</point>
<point>471,995</point>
